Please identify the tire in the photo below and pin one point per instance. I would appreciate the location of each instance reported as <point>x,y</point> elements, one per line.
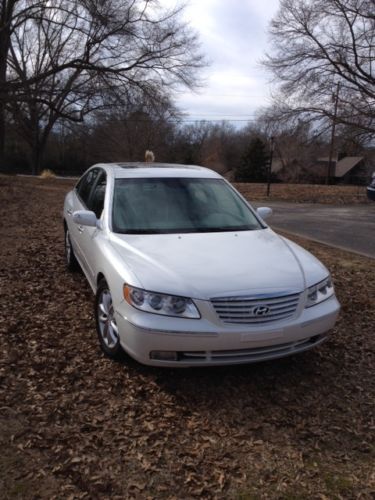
<point>70,259</point>
<point>106,326</point>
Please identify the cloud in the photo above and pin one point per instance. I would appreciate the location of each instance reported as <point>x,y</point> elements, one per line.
<point>229,95</point>
<point>234,38</point>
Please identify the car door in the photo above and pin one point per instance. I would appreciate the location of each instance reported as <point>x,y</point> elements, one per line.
<point>80,201</point>
<point>89,235</point>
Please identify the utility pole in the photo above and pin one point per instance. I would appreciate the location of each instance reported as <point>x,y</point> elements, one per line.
<point>269,172</point>
<point>335,98</point>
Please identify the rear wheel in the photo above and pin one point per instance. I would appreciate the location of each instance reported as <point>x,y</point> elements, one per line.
<point>106,325</point>
<point>71,261</point>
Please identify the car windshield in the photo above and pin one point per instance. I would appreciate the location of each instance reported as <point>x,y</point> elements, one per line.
<point>178,205</point>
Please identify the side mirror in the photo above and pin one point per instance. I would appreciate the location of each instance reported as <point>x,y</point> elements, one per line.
<point>264,212</point>
<point>85,218</point>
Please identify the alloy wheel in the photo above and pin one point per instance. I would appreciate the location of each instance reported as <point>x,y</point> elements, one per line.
<point>106,320</point>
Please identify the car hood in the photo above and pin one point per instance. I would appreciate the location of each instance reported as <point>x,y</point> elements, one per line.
<point>208,265</point>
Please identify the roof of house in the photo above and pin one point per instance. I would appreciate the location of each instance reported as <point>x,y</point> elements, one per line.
<point>342,166</point>
<point>325,159</point>
<point>346,164</point>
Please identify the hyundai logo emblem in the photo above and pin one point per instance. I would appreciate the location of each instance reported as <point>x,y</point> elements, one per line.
<point>261,311</point>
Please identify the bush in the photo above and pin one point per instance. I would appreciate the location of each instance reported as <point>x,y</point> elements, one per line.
<point>47,174</point>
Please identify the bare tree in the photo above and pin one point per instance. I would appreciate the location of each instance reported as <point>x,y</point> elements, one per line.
<point>317,44</point>
<point>126,132</point>
<point>67,54</point>
<point>37,46</point>
<point>13,14</point>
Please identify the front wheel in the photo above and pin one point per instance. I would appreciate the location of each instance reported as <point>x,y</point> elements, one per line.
<point>106,325</point>
<point>71,261</point>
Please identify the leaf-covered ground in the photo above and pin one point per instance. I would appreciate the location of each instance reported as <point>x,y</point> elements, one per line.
<point>74,424</point>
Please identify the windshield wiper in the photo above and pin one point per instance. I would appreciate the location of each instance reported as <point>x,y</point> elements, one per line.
<point>142,231</point>
<point>223,229</point>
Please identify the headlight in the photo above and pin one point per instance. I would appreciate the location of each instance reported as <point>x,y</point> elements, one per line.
<point>159,303</point>
<point>319,292</point>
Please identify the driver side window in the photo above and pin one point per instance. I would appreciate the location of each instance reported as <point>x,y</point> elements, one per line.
<point>96,201</point>
<point>85,185</point>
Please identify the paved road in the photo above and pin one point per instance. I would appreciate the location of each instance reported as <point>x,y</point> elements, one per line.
<point>351,227</point>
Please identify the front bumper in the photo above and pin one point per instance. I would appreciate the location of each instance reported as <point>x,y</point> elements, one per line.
<point>209,342</point>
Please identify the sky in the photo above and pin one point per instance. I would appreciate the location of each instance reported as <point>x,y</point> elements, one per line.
<point>233,36</point>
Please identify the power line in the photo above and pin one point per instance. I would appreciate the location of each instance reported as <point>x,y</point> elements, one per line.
<point>245,115</point>
<point>214,120</point>
<point>182,120</point>
<point>242,96</point>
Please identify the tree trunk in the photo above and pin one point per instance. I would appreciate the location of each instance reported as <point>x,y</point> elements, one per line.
<point>40,139</point>
<point>3,97</point>
<point>36,158</point>
<point>36,147</point>
<point>2,133</point>
<point>5,16</point>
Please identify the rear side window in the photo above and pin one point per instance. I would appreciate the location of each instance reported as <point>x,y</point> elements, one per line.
<point>85,185</point>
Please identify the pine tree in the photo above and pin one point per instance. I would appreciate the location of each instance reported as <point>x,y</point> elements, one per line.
<point>254,163</point>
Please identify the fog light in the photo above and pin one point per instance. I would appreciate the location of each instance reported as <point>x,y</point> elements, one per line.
<point>164,355</point>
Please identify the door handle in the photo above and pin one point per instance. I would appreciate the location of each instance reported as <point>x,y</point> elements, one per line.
<point>81,229</point>
<point>69,211</point>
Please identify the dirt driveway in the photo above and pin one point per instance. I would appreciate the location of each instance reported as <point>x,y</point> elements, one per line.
<point>351,227</point>
<point>74,424</point>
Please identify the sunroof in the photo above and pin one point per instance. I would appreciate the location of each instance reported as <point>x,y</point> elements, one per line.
<point>157,165</point>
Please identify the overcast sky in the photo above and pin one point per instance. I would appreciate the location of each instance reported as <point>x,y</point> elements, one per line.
<point>233,34</point>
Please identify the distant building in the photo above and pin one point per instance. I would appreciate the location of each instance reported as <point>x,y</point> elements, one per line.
<point>351,170</point>
<point>348,170</point>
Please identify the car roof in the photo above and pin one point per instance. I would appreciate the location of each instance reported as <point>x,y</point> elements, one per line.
<point>138,169</point>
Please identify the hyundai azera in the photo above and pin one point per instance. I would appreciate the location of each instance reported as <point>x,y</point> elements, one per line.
<point>186,273</point>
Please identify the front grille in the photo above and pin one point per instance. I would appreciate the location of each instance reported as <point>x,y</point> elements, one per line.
<point>251,354</point>
<point>255,310</point>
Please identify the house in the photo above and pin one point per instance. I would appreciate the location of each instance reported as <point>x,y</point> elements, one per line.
<point>347,170</point>
<point>351,170</point>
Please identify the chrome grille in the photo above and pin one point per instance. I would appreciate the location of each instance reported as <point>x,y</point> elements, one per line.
<point>255,310</point>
